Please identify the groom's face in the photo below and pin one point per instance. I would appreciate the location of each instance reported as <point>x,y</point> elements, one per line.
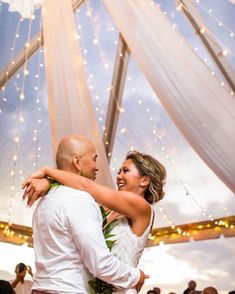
<point>88,164</point>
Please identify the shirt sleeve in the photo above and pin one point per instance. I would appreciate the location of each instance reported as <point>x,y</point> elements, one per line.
<point>85,223</point>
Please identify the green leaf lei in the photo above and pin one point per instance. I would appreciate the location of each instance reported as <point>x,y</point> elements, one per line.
<point>54,184</point>
<point>98,286</point>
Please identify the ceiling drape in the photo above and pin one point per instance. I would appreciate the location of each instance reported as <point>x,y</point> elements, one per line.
<point>202,109</point>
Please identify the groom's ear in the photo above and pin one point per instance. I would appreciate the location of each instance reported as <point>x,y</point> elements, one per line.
<point>76,163</point>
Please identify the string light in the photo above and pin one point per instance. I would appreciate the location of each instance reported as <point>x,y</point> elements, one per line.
<point>158,136</point>
<point>109,26</point>
<point>121,130</point>
<point>37,116</point>
<point>96,40</point>
<point>167,156</point>
<point>220,23</point>
<point>13,174</point>
<point>11,233</point>
<point>99,108</point>
<point>179,6</point>
<point>172,163</point>
<point>202,30</point>
<point>11,61</point>
<point>192,231</point>
<point>90,76</point>
<point>19,118</point>
<point>224,52</point>
<point>25,70</point>
<point>206,30</point>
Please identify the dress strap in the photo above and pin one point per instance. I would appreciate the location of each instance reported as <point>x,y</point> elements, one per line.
<point>153,217</point>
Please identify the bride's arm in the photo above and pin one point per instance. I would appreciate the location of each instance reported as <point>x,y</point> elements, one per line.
<point>124,202</point>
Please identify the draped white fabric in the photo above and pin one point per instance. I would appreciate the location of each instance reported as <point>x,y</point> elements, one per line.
<point>201,108</point>
<point>24,7</point>
<point>70,107</point>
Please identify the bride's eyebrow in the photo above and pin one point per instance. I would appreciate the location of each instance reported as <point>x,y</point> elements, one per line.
<point>121,168</point>
<point>125,167</point>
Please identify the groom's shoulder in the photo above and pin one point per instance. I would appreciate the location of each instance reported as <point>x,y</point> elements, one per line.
<point>75,194</point>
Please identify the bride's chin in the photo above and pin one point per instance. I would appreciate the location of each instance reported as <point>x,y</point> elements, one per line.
<point>121,189</point>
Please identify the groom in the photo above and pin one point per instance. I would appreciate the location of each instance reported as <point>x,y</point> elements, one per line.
<point>68,239</point>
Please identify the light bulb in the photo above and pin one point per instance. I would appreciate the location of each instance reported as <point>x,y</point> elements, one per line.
<point>22,96</point>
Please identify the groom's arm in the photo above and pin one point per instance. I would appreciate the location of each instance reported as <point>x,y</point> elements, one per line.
<point>86,227</point>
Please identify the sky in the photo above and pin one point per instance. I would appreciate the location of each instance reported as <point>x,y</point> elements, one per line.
<point>170,266</point>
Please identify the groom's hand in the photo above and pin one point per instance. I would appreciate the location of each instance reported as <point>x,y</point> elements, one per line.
<point>143,276</point>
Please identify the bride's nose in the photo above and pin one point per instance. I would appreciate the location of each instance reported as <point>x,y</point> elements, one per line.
<point>119,175</point>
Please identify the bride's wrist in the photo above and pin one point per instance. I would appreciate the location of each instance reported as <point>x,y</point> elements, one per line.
<point>46,171</point>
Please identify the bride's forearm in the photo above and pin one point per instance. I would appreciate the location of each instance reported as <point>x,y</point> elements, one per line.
<point>123,202</point>
<point>68,179</point>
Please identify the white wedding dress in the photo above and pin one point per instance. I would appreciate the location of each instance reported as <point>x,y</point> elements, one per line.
<point>128,246</point>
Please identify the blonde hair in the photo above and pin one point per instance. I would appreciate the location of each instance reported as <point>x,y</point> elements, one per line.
<point>151,167</point>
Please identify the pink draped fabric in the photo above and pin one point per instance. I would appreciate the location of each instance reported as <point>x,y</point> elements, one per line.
<point>70,107</point>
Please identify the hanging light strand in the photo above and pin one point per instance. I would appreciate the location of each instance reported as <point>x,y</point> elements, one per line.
<point>159,139</point>
<point>4,96</point>
<point>100,107</point>
<point>110,26</point>
<point>96,40</point>
<point>19,120</point>
<point>173,226</point>
<point>38,112</point>
<point>204,30</point>
<point>13,177</point>
<point>90,78</point>
<point>25,70</point>
<point>217,20</point>
<point>195,50</point>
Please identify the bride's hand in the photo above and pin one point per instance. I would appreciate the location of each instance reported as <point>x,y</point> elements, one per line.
<point>34,189</point>
<point>39,174</point>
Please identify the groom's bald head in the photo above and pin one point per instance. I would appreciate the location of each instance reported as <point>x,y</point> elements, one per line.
<point>77,154</point>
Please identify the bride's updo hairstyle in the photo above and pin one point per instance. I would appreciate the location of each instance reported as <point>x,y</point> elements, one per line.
<point>151,167</point>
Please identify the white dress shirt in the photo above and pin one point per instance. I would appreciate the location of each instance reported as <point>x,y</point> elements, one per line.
<point>69,243</point>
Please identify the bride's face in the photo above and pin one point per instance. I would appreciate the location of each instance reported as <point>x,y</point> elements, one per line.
<point>129,178</point>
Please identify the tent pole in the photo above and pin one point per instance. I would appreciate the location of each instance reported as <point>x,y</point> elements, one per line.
<point>116,93</point>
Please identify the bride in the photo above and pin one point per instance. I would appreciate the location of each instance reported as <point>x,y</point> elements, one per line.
<point>140,174</point>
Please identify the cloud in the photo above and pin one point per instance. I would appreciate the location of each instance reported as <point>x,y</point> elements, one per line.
<point>207,262</point>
